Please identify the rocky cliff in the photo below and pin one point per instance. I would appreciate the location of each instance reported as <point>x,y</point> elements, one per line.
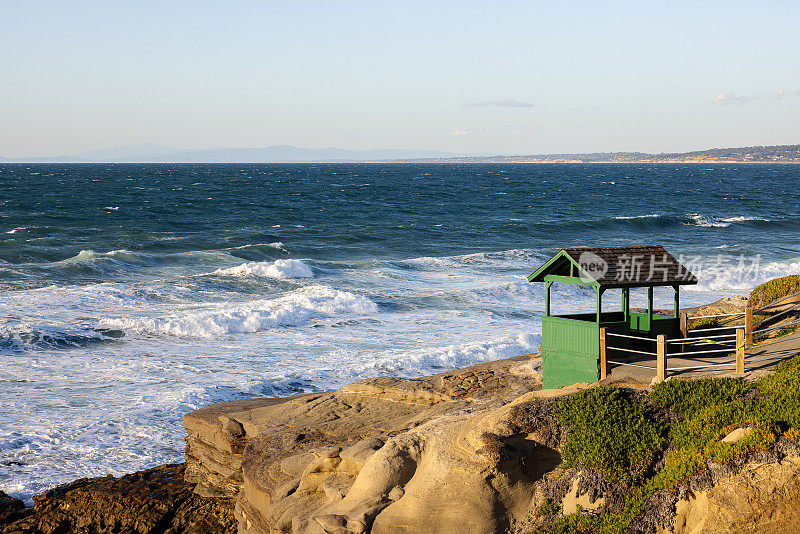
<point>156,500</point>
<point>474,450</point>
<point>482,450</point>
<point>362,457</point>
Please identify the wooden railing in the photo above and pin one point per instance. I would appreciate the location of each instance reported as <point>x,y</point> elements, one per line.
<point>735,342</point>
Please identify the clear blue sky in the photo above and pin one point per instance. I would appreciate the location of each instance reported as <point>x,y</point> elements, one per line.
<point>496,77</point>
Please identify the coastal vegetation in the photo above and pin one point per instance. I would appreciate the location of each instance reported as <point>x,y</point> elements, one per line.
<point>772,290</point>
<point>705,322</point>
<point>662,440</point>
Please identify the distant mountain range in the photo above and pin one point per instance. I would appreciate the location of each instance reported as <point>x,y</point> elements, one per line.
<point>150,153</point>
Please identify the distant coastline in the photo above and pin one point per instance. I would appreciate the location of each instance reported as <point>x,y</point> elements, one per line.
<point>756,154</point>
<point>291,154</point>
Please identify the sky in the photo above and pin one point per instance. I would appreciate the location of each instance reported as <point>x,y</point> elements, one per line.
<point>468,77</point>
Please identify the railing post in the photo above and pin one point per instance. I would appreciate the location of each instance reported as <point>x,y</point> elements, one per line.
<point>603,361</point>
<point>740,345</point>
<point>661,358</point>
<point>684,326</point>
<point>748,326</point>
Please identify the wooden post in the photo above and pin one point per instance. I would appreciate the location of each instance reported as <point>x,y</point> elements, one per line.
<point>684,326</point>
<point>599,292</point>
<point>748,326</point>
<point>661,358</point>
<point>740,344</point>
<point>603,361</point>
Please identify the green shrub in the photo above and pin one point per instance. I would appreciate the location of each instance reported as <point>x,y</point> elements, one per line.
<point>688,396</point>
<point>785,331</point>
<point>548,507</point>
<point>610,433</point>
<point>621,438</point>
<point>773,290</point>
<point>705,322</point>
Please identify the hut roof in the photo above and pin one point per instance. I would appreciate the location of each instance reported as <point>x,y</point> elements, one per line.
<point>607,267</point>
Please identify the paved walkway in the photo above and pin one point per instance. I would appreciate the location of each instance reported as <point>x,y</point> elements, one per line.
<point>777,352</point>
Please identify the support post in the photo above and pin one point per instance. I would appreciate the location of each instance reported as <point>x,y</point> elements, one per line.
<point>748,326</point>
<point>626,303</point>
<point>650,307</point>
<point>677,301</point>
<point>547,298</point>
<point>603,360</point>
<point>684,326</point>
<point>599,292</point>
<point>661,358</point>
<point>740,343</point>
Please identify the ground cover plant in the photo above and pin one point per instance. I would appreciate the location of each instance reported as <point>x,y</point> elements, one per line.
<point>625,436</point>
<point>772,290</point>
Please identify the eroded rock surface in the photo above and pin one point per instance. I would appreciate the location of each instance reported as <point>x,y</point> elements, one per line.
<point>155,501</point>
<point>10,508</point>
<point>385,454</point>
<point>474,450</point>
<point>761,498</point>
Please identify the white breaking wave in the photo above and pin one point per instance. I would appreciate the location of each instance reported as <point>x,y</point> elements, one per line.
<point>433,359</point>
<point>18,228</point>
<point>98,260</point>
<point>514,258</point>
<point>409,363</point>
<point>742,218</point>
<point>294,309</point>
<point>711,222</point>
<point>650,216</point>
<point>282,269</point>
<point>743,278</point>
<point>86,298</point>
<point>705,222</point>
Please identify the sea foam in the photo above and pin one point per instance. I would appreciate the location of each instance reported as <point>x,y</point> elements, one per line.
<point>508,259</point>
<point>741,277</point>
<point>297,308</point>
<point>281,269</point>
<point>703,221</point>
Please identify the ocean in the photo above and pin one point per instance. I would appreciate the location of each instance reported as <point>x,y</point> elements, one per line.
<point>131,294</point>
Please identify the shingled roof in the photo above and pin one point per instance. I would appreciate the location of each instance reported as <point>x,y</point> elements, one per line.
<point>607,267</point>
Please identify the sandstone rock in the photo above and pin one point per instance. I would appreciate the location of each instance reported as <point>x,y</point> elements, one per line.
<point>734,304</point>
<point>10,508</point>
<point>472,450</point>
<point>154,501</point>
<point>296,459</point>
<point>761,498</point>
<point>737,434</point>
<point>574,499</point>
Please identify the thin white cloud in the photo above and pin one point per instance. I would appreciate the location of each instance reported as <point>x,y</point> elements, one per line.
<point>483,130</point>
<point>510,103</point>
<point>732,99</point>
<point>591,108</point>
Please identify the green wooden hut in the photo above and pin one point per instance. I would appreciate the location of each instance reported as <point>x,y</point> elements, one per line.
<point>571,343</point>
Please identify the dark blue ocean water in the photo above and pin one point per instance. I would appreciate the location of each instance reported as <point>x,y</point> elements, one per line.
<point>130,294</point>
<point>393,211</point>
